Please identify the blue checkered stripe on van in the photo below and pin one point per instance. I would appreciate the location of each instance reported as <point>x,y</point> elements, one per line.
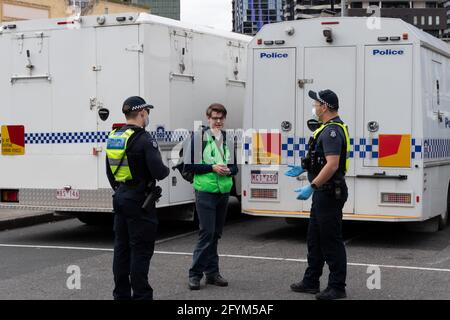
<point>102,136</point>
<point>93,137</point>
<point>436,148</point>
<point>65,137</point>
<point>169,136</point>
<point>361,148</point>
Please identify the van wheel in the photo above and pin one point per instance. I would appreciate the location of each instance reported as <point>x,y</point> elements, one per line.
<point>443,219</point>
<point>301,223</point>
<point>96,220</point>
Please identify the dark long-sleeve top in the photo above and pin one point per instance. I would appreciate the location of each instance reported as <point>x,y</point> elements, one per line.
<point>193,153</point>
<point>144,158</point>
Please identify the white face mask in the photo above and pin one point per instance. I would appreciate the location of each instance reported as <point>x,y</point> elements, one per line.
<point>315,115</point>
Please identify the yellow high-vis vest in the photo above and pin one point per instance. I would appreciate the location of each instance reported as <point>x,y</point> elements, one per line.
<point>117,158</point>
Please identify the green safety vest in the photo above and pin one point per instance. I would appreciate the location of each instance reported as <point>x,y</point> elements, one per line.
<point>347,139</point>
<point>212,182</point>
<point>117,158</point>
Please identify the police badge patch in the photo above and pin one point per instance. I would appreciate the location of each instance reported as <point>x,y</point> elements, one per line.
<point>155,144</point>
<point>333,134</point>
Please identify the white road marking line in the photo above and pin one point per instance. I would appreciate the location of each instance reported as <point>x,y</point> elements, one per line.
<point>227,256</point>
<point>176,237</point>
<point>54,247</point>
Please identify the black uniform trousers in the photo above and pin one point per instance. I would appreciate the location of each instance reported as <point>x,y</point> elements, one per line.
<point>135,233</point>
<point>325,242</point>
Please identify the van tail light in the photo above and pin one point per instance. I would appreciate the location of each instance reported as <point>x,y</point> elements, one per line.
<point>259,193</point>
<point>396,198</point>
<point>9,195</point>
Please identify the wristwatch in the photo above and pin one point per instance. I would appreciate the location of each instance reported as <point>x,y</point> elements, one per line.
<point>314,186</point>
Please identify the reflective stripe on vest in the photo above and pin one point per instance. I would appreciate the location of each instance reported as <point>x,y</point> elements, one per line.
<point>347,139</point>
<point>115,151</point>
<point>212,182</point>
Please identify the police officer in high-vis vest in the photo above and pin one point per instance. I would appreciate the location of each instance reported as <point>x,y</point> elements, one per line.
<point>213,162</point>
<point>326,164</point>
<point>133,163</point>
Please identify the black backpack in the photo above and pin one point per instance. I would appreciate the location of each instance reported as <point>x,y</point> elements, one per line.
<point>180,166</point>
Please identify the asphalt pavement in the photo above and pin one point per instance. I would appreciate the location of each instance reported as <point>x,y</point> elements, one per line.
<point>260,257</point>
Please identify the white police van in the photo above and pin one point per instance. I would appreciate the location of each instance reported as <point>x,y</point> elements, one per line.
<point>393,84</point>
<point>62,85</point>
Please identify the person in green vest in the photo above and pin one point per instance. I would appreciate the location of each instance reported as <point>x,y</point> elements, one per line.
<point>213,162</point>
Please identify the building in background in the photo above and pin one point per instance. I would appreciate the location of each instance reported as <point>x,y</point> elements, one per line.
<point>250,15</point>
<point>301,9</point>
<point>447,10</point>
<point>164,8</point>
<point>12,10</point>
<point>430,16</point>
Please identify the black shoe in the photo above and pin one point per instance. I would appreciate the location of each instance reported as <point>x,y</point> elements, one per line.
<point>300,287</point>
<point>194,283</point>
<point>217,280</point>
<point>331,294</point>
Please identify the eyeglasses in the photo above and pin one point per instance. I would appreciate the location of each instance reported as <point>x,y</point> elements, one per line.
<point>148,110</point>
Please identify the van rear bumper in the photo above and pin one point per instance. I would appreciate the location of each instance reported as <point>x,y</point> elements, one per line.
<point>346,216</point>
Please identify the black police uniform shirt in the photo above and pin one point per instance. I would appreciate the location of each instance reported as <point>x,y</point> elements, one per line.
<point>331,142</point>
<point>144,160</point>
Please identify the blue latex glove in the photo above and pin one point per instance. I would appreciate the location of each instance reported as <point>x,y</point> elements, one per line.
<point>294,171</point>
<point>304,193</point>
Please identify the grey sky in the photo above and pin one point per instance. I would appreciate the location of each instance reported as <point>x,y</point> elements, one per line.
<point>214,13</point>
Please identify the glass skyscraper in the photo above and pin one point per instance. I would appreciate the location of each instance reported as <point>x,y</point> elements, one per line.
<point>250,15</point>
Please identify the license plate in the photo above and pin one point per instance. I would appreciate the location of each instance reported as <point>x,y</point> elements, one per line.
<point>63,194</point>
<point>265,178</point>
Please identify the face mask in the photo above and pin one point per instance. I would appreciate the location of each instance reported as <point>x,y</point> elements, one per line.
<point>315,115</point>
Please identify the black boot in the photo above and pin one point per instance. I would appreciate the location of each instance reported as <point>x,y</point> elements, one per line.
<point>331,294</point>
<point>194,283</point>
<point>217,280</point>
<point>301,287</point>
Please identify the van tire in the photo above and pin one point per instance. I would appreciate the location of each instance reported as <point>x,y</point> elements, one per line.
<point>443,218</point>
<point>94,220</point>
<point>297,222</point>
<point>427,226</point>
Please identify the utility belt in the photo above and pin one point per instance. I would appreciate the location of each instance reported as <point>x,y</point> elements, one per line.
<point>337,187</point>
<point>132,184</point>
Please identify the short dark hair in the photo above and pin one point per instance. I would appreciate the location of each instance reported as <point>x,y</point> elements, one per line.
<point>130,114</point>
<point>216,107</point>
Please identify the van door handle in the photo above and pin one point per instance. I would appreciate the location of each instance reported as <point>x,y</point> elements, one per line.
<point>373,126</point>
<point>286,126</point>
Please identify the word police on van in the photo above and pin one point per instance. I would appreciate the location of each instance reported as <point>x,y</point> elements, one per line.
<point>387,52</point>
<point>273,55</point>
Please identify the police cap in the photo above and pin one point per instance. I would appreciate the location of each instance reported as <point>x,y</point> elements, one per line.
<point>135,104</point>
<point>327,97</point>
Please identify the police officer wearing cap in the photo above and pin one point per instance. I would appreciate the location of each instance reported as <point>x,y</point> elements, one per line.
<point>133,163</point>
<point>326,164</point>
